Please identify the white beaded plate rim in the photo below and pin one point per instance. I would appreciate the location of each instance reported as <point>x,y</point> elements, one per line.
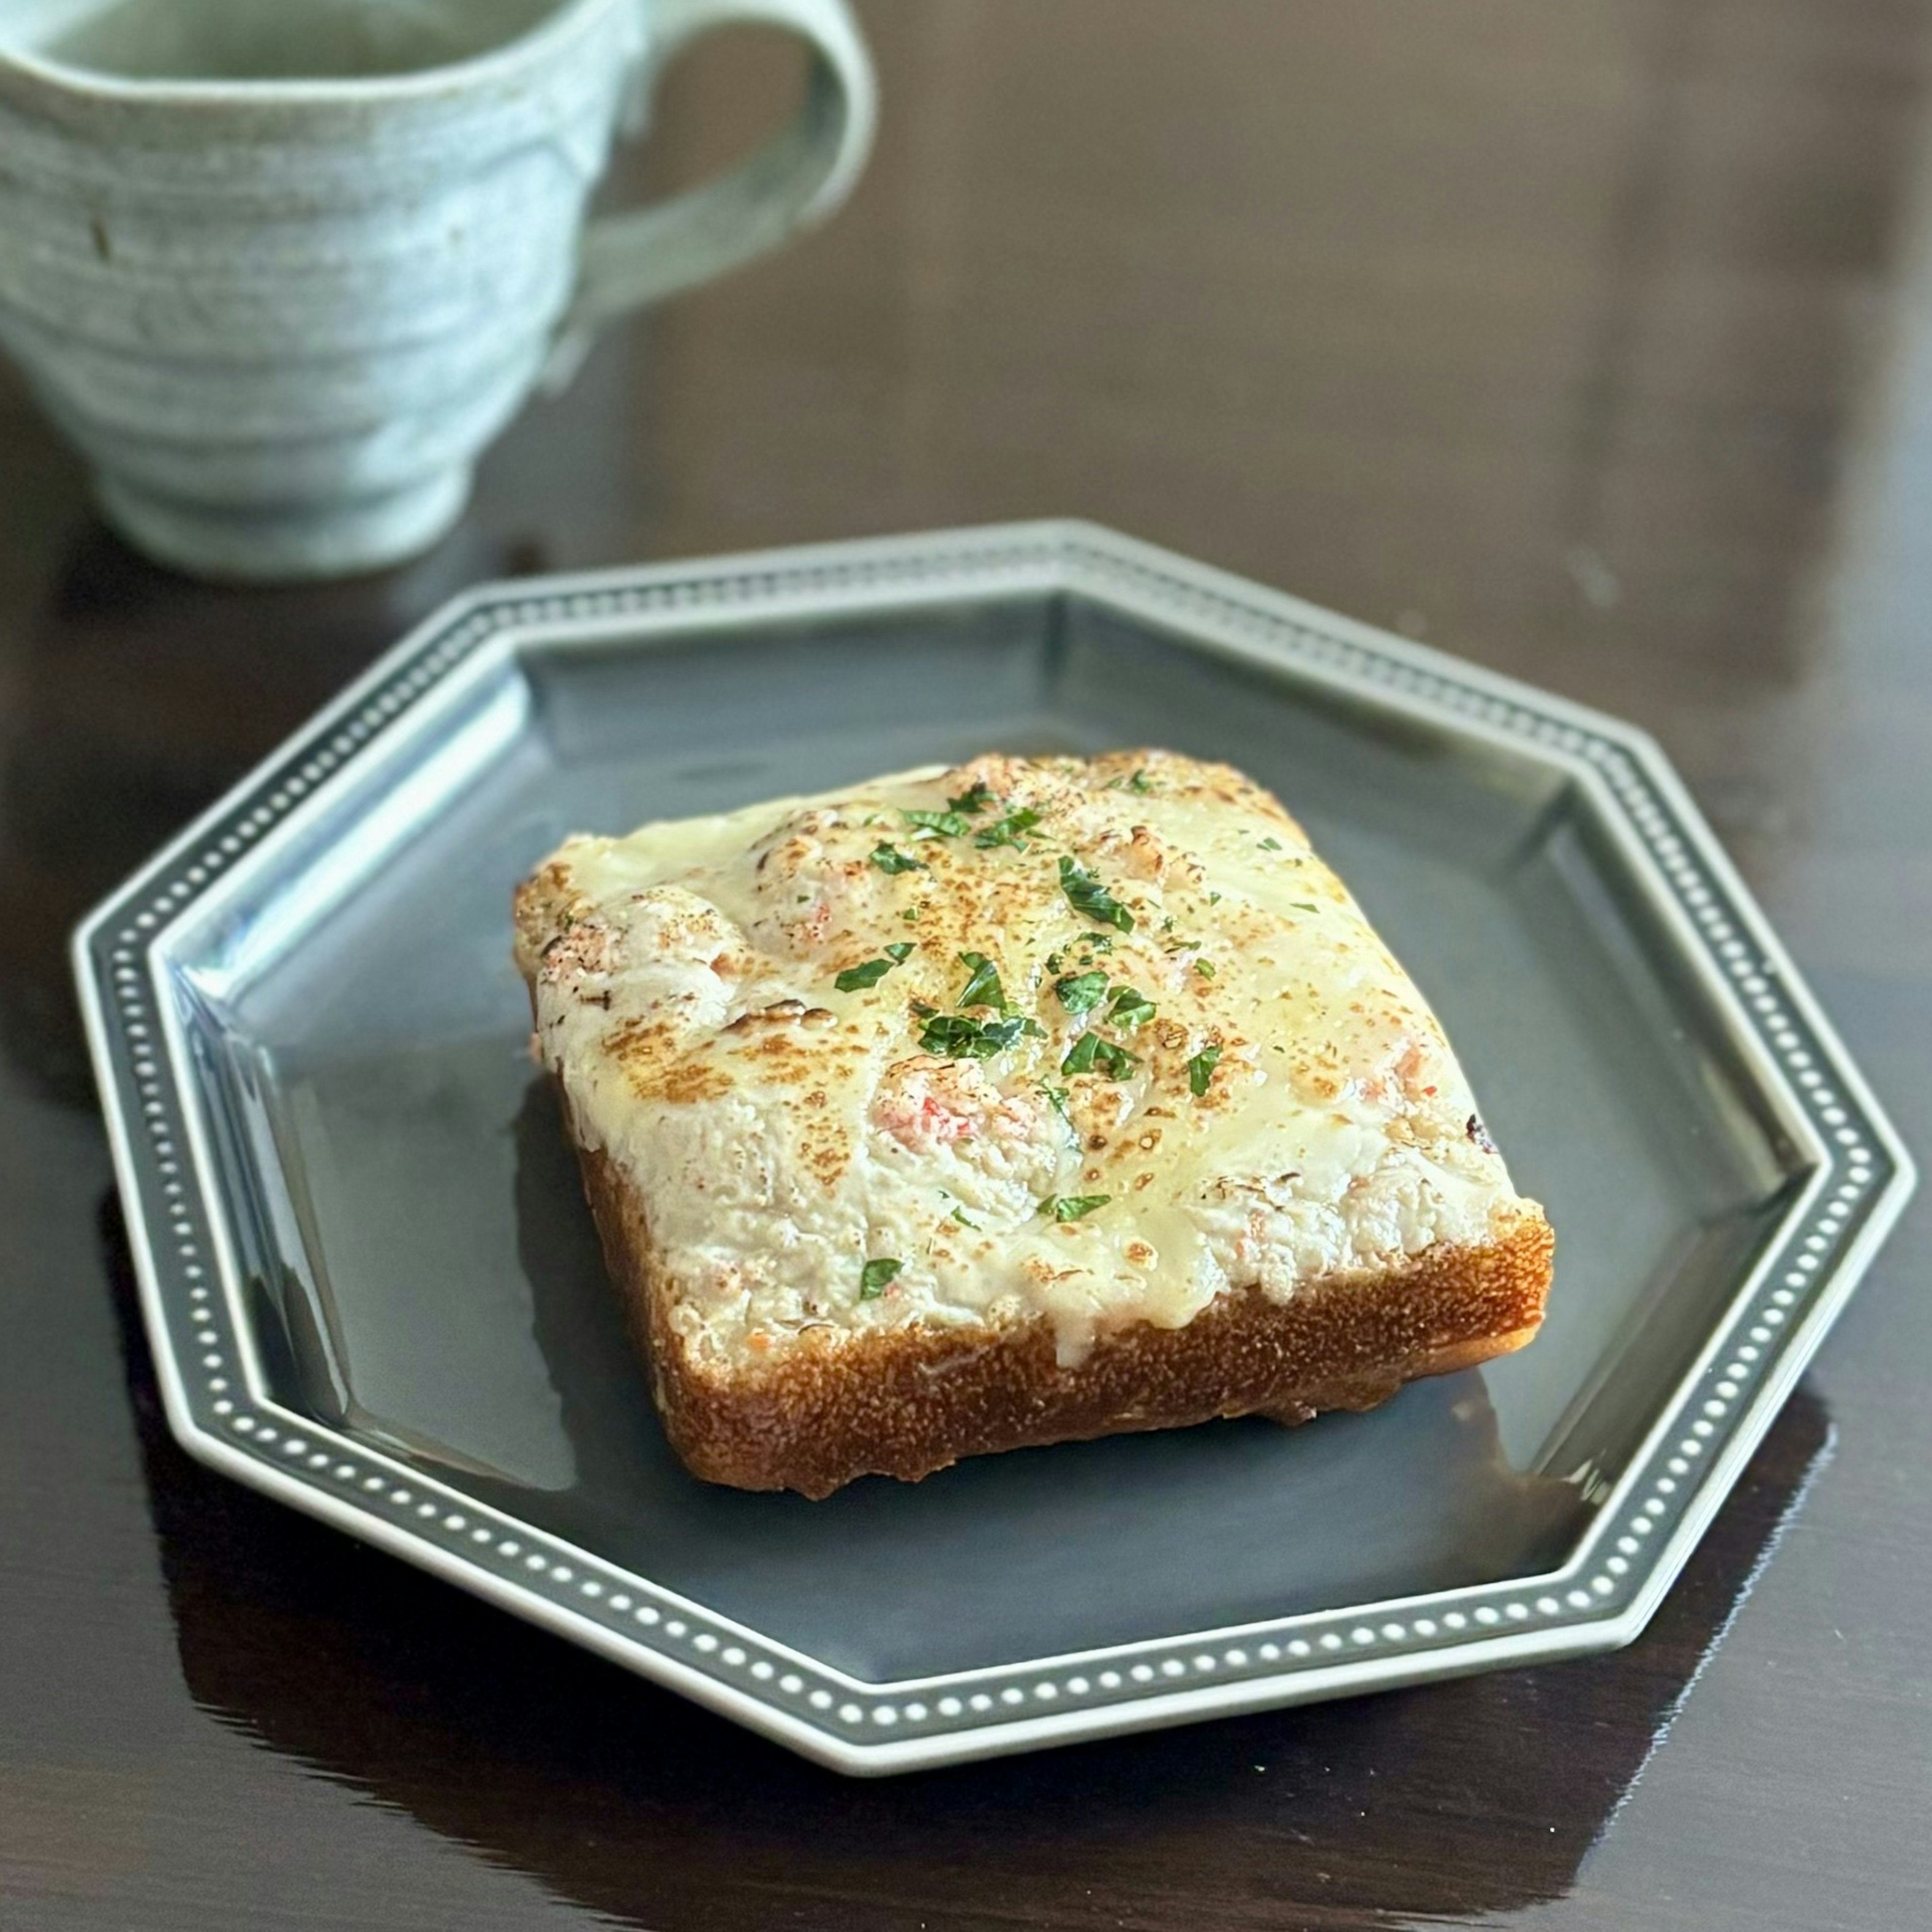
<point>1859,1178</point>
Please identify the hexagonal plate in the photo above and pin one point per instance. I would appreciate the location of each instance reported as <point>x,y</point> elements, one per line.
<point>372,1291</point>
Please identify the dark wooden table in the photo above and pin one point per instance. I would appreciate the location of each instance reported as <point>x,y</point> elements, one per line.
<point>1593,341</point>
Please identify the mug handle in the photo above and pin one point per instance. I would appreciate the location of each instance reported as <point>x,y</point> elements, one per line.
<point>793,182</point>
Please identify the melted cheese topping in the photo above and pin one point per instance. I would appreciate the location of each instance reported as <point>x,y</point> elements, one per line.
<point>783,1133</point>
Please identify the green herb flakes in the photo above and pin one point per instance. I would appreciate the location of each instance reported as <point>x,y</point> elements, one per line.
<point>890,858</point>
<point>1139,782</point>
<point>983,988</point>
<point>875,1277</point>
<point>1127,1008</point>
<point>1088,897</point>
<point>1090,1054</point>
<point>857,979</point>
<point>1302,905</point>
<point>1007,831</point>
<point>975,798</point>
<point>1200,1070</point>
<point>959,1215</point>
<point>1205,967</point>
<point>1081,992</point>
<point>1071,1206</point>
<point>1270,844</point>
<point>1056,1099</point>
<point>959,1038</point>
<point>938,824</point>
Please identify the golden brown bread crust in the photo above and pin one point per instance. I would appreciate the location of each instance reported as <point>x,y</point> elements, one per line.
<point>833,1406</point>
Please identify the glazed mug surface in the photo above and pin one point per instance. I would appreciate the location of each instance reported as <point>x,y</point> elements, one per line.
<point>282,268</point>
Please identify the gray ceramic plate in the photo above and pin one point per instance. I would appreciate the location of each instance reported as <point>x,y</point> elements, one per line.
<point>373,1290</point>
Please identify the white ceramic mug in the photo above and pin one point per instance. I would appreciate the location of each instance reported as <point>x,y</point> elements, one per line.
<point>282,268</point>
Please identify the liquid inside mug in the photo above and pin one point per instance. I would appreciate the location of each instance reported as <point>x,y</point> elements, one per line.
<point>282,268</point>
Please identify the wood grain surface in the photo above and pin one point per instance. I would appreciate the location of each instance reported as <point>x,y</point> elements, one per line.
<point>1592,341</point>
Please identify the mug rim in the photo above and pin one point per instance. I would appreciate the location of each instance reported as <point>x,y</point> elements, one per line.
<point>416,84</point>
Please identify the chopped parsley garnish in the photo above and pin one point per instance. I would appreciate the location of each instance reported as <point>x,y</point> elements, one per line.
<point>1081,992</point>
<point>890,858</point>
<point>1091,1053</point>
<point>983,988</point>
<point>875,1277</point>
<point>1007,831</point>
<point>1127,1008</point>
<point>910,915</point>
<point>1203,967</point>
<point>857,979</point>
<point>1139,782</point>
<point>959,1215</point>
<point>938,824</point>
<point>1201,1069</point>
<point>1087,896</point>
<point>1071,1207</point>
<point>1270,844</point>
<point>975,798</point>
<point>1056,1099</point>
<point>959,1038</point>
<point>1302,905</point>
<point>1213,898</point>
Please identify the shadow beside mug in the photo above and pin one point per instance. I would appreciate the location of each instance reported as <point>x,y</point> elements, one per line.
<point>282,290</point>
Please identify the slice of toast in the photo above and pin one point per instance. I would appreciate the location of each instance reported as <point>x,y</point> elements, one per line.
<point>1029,1101</point>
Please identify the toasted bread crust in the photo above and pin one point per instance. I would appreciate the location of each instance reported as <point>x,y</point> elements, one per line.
<point>833,1406</point>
